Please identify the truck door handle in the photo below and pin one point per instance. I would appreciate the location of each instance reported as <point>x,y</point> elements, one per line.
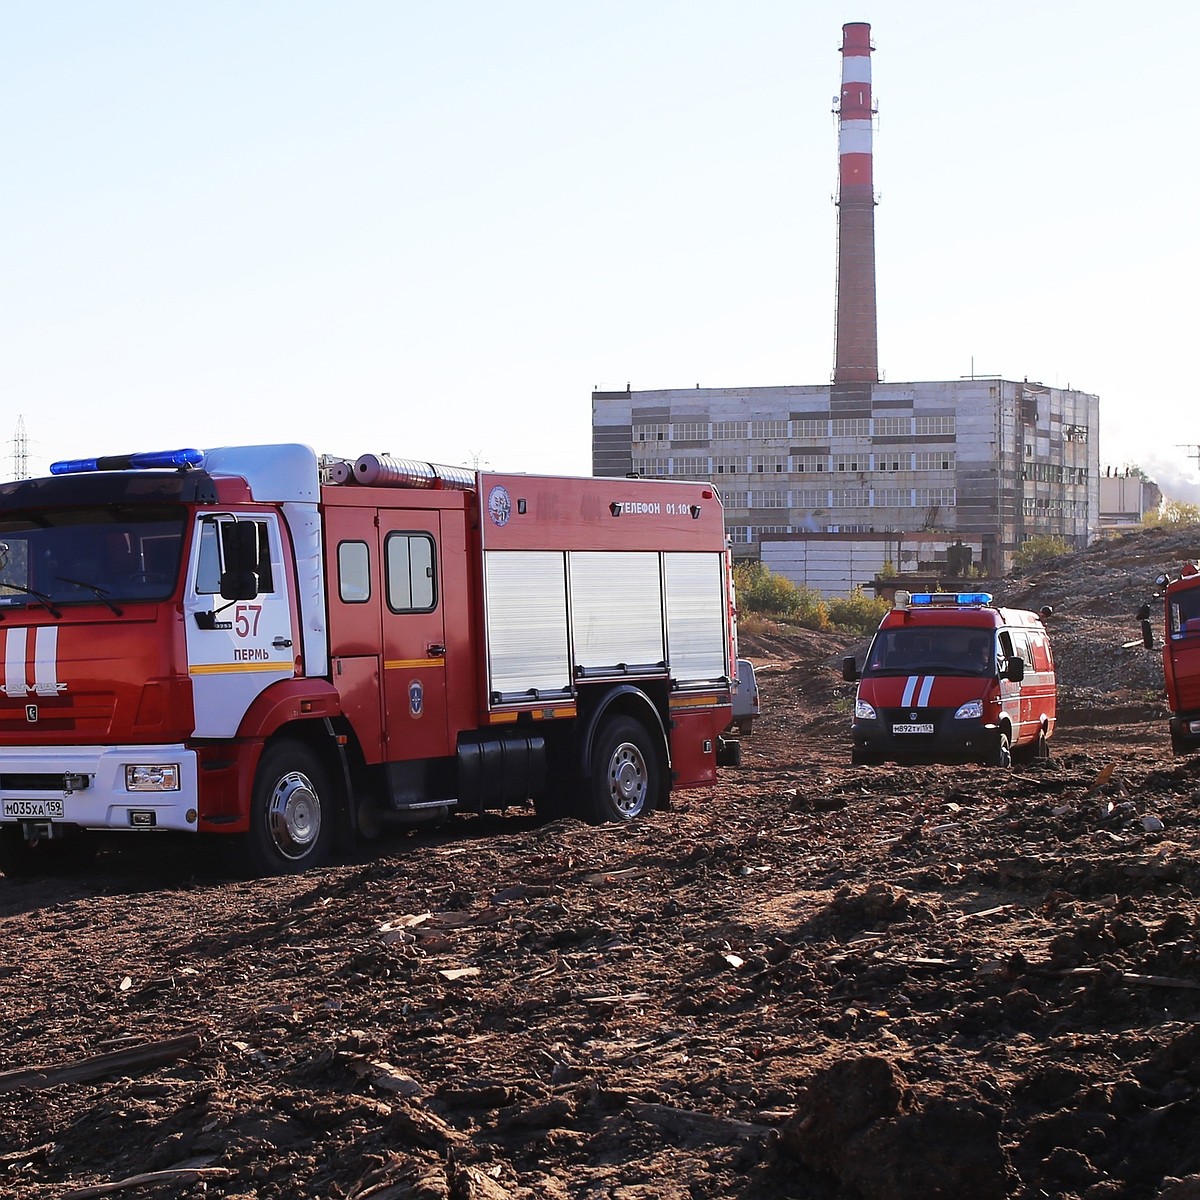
<point>281,643</point>
<point>436,651</point>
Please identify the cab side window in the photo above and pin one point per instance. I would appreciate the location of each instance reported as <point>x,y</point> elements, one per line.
<point>410,564</point>
<point>208,569</point>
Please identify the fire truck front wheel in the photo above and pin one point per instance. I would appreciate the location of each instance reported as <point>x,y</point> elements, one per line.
<point>625,770</point>
<point>292,812</point>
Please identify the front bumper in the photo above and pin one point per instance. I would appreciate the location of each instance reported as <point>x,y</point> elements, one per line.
<point>86,785</point>
<point>949,741</point>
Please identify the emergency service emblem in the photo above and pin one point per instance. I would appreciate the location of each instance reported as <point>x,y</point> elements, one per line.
<point>416,698</point>
<point>499,505</point>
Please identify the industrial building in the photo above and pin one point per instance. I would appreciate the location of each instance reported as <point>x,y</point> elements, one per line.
<point>829,482</point>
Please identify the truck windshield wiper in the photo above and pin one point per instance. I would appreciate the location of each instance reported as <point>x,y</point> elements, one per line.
<point>100,593</point>
<point>42,599</point>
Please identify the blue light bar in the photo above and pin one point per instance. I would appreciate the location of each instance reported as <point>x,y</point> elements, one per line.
<point>950,598</point>
<point>128,462</point>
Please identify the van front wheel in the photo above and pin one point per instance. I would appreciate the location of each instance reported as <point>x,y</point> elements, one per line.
<point>1002,754</point>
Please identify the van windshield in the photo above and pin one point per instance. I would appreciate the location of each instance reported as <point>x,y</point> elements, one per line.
<point>112,553</point>
<point>932,650</point>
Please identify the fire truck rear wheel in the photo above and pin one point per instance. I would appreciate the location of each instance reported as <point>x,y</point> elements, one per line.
<point>625,772</point>
<point>292,811</point>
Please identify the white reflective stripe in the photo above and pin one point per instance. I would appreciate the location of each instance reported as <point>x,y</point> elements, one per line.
<point>14,663</point>
<point>45,661</point>
<point>909,688</point>
<point>926,688</point>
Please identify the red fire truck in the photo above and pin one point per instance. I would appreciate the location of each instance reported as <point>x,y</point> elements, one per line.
<point>261,643</point>
<point>1181,653</point>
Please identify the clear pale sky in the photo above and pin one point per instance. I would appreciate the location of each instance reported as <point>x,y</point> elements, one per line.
<point>433,228</point>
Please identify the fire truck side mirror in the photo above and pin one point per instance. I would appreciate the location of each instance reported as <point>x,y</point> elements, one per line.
<point>1014,670</point>
<point>239,553</point>
<point>849,669</point>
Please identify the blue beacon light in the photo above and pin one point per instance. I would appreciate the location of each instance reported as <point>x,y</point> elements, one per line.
<point>126,462</point>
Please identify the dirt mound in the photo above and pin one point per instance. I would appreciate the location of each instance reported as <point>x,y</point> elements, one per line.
<point>812,980</point>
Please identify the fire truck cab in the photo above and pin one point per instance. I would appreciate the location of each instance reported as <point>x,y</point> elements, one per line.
<point>950,678</point>
<point>1181,654</point>
<point>254,643</point>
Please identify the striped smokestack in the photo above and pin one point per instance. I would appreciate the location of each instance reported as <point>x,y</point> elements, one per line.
<point>856,358</point>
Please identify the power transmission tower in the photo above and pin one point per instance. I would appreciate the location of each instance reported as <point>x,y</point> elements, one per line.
<point>20,451</point>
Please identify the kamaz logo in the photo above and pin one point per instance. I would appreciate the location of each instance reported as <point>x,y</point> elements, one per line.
<point>31,712</point>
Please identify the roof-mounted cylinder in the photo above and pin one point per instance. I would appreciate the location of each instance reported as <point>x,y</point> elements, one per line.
<point>382,470</point>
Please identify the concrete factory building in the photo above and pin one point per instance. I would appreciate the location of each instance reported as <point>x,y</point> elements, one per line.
<point>985,462</point>
<point>830,483</point>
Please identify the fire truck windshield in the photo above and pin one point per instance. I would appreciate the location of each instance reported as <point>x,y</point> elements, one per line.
<point>109,554</point>
<point>932,650</point>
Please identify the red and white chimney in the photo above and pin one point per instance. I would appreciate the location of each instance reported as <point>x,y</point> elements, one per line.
<point>856,357</point>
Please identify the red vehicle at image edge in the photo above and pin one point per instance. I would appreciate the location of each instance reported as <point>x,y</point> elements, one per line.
<point>950,678</point>
<point>1180,595</point>
<point>259,643</point>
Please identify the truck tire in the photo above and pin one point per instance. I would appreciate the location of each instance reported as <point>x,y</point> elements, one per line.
<point>291,812</point>
<point>624,775</point>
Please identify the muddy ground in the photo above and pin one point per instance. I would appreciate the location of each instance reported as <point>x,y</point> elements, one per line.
<point>811,981</point>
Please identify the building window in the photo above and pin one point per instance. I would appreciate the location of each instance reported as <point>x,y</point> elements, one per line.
<point>893,497</point>
<point>809,464</point>
<point>689,431</point>
<point>935,426</point>
<point>850,498</point>
<point>811,498</point>
<point>768,429</point>
<point>736,499</point>
<point>852,462</point>
<point>927,497</point>
<point>651,468</point>
<point>758,530</point>
<point>730,431</point>
<point>690,466</point>
<point>729,464</point>
<point>892,426</point>
<point>739,535</point>
<point>934,460</point>
<point>650,433</point>
<point>890,460</point>
<point>808,427</point>
<point>770,499</point>
<point>767,464</point>
<point>850,427</point>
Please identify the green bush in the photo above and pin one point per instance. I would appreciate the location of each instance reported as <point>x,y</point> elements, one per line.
<point>1172,514</point>
<point>857,612</point>
<point>1041,548</point>
<point>760,590</point>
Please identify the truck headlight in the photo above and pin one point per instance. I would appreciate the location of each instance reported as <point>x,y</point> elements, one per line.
<point>971,711</point>
<point>152,777</point>
<point>863,711</point>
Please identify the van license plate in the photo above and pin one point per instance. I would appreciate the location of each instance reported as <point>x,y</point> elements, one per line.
<point>45,810</point>
<point>923,728</point>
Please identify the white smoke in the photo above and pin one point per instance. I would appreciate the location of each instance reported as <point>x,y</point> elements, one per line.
<point>1178,478</point>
